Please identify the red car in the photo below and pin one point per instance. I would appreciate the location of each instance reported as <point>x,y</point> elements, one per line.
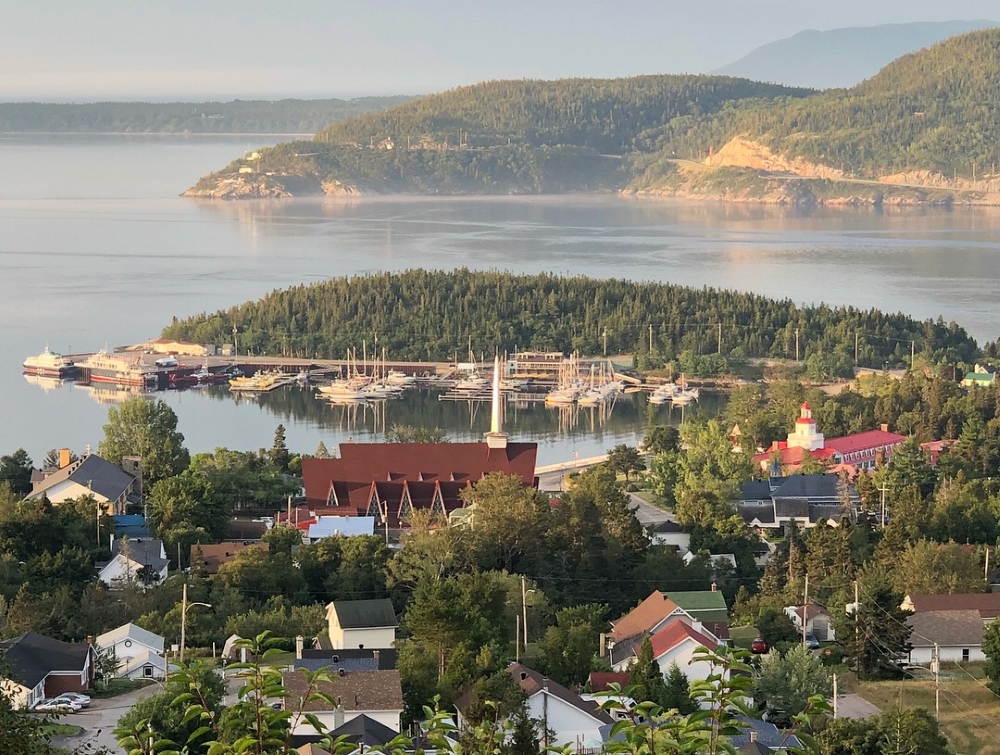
<point>758,646</point>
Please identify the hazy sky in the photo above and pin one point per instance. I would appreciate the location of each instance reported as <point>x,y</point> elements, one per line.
<point>81,50</point>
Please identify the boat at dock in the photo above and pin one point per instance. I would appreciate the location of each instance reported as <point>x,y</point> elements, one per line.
<point>260,382</point>
<point>50,364</point>
<point>103,367</point>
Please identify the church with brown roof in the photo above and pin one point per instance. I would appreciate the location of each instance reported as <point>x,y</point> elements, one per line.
<point>392,480</point>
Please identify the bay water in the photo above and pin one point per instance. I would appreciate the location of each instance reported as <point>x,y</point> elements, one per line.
<point>97,248</point>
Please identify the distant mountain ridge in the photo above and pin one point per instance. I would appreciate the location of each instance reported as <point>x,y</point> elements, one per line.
<point>840,58</point>
<point>921,131</point>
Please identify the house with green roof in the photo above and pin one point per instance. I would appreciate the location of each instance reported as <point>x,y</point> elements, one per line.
<point>706,606</point>
<point>983,376</point>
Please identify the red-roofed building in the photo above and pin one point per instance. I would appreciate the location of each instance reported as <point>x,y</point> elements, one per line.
<point>372,479</point>
<point>677,643</point>
<point>859,450</point>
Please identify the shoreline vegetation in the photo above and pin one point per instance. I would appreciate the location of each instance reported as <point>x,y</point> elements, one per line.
<point>918,133</point>
<point>432,315</point>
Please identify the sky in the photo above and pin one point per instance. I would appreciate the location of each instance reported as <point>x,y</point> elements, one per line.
<point>68,50</point>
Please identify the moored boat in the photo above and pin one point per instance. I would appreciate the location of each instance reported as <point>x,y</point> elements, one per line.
<point>103,367</point>
<point>49,364</point>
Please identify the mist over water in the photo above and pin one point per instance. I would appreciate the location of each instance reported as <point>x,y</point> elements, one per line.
<point>96,247</point>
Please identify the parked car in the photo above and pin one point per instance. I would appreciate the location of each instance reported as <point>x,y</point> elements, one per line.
<point>51,705</point>
<point>74,697</point>
<point>758,646</point>
<point>811,642</point>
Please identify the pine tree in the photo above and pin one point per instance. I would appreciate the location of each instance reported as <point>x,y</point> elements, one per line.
<point>645,677</point>
<point>321,451</point>
<point>677,692</point>
<point>279,451</point>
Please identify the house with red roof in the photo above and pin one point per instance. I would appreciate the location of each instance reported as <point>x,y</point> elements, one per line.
<point>859,450</point>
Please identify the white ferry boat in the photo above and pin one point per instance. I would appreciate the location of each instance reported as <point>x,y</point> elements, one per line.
<point>49,364</point>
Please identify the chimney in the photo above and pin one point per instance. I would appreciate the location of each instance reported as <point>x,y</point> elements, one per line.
<point>753,735</point>
<point>90,639</point>
<point>885,427</point>
<point>714,587</point>
<point>299,643</point>
<point>496,438</point>
<point>64,457</point>
<point>604,644</point>
<point>338,715</point>
<point>375,655</point>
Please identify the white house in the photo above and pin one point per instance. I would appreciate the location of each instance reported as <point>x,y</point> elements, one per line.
<point>671,534</point>
<point>361,624</point>
<point>376,694</point>
<point>89,476</point>
<point>131,560</point>
<point>819,623</point>
<point>957,634</point>
<point>572,720</point>
<point>139,651</point>
<point>677,643</point>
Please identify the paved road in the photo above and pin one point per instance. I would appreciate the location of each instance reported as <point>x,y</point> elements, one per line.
<point>855,706</point>
<point>100,719</point>
<point>647,514</point>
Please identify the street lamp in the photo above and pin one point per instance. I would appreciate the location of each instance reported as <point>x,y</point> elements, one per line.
<point>184,609</point>
<point>524,611</point>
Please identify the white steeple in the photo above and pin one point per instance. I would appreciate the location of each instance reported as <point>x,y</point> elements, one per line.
<point>805,434</point>
<point>496,438</point>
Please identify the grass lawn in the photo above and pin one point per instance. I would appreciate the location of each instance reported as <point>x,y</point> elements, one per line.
<point>970,713</point>
<point>61,730</point>
<point>651,498</point>
<point>117,687</point>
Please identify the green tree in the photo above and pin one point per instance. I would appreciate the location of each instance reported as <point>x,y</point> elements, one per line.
<point>625,460</point>
<point>146,428</point>
<point>15,471</point>
<point>710,473</point>
<point>410,434</point>
<point>645,679</point>
<point>787,682</point>
<point>991,649</point>
<point>569,647</point>
<point>661,439</point>
<point>876,634</point>
<point>677,692</point>
<point>21,732</point>
<point>929,568</point>
<point>322,452</point>
<point>279,455</point>
<point>900,730</point>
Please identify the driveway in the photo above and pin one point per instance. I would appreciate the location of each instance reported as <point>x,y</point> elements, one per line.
<point>101,718</point>
<point>855,706</point>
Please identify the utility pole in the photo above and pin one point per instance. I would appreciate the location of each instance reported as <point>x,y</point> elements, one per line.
<point>913,353</point>
<point>986,571</point>
<point>805,609</point>
<point>834,695</point>
<point>937,682</point>
<point>524,612</point>
<point>883,490</point>
<point>184,613</point>
<point>651,338</point>
<point>517,639</point>
<point>605,334</point>
<point>855,347</point>
<point>720,337</point>
<point>796,344</point>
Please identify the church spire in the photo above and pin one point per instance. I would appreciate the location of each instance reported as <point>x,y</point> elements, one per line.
<point>496,438</point>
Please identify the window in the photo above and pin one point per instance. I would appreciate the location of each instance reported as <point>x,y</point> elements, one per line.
<point>965,654</point>
<point>147,670</point>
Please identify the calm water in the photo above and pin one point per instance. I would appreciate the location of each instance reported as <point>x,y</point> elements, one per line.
<point>97,248</point>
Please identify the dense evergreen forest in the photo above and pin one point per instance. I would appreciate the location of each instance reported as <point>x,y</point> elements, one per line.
<point>432,315</point>
<point>288,116</point>
<point>928,111</point>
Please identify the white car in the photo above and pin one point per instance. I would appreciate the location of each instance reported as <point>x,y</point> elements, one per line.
<point>74,697</point>
<point>51,705</point>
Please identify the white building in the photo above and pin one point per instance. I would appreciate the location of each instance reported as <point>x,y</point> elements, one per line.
<point>139,651</point>
<point>90,476</point>
<point>819,623</point>
<point>139,561</point>
<point>361,624</point>
<point>957,634</point>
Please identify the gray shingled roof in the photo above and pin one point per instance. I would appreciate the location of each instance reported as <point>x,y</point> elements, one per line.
<point>349,665</point>
<point>809,486</point>
<point>33,656</point>
<point>763,514</point>
<point>766,734</point>
<point>359,614</point>
<point>949,628</point>
<point>755,490</point>
<point>791,507</point>
<point>145,551</point>
<point>100,475</point>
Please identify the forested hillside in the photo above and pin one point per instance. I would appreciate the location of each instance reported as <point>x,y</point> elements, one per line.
<point>432,315</point>
<point>925,121</point>
<point>239,116</point>
<point>933,110</point>
<point>499,137</point>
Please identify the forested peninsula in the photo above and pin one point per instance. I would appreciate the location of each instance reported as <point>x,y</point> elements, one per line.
<point>432,315</point>
<point>289,116</point>
<point>921,131</point>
